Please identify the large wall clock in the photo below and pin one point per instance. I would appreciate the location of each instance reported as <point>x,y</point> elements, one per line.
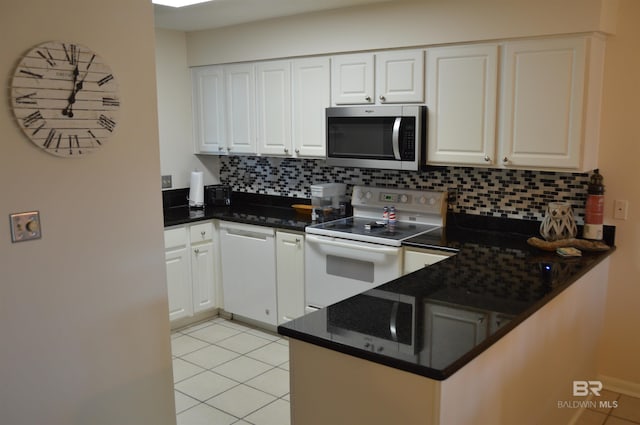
<point>65,98</point>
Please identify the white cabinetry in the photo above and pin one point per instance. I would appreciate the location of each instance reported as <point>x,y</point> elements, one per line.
<point>240,107</point>
<point>451,332</point>
<point>178,273</point>
<point>461,97</point>
<point>209,109</point>
<point>418,258</point>
<point>191,282</point>
<point>543,102</point>
<point>249,271</point>
<point>385,77</point>
<point>311,93</point>
<point>400,76</point>
<point>290,275</point>
<point>274,107</point>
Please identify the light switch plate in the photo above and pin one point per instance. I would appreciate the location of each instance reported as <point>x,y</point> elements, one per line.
<point>620,209</point>
<point>166,181</point>
<point>25,226</point>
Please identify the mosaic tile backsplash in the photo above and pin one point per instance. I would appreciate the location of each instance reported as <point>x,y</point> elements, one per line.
<point>519,194</point>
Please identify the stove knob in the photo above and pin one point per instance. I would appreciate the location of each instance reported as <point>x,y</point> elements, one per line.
<point>432,201</point>
<point>368,195</point>
<point>404,199</point>
<point>423,200</point>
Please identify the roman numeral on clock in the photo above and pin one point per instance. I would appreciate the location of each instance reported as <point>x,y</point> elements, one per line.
<point>105,80</point>
<point>106,122</point>
<point>26,99</point>
<point>32,118</point>
<point>110,101</point>
<point>49,138</point>
<point>93,136</point>
<point>47,57</point>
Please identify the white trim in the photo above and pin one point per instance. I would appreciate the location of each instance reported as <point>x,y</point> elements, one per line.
<point>620,385</point>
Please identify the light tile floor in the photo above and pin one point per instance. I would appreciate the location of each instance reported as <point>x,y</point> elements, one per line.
<point>226,372</point>
<point>627,411</point>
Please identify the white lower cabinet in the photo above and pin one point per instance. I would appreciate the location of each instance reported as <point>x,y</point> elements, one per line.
<point>290,275</point>
<point>418,258</point>
<point>191,283</point>
<point>249,271</point>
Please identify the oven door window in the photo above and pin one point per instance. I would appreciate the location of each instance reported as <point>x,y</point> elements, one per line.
<point>361,137</point>
<point>350,268</point>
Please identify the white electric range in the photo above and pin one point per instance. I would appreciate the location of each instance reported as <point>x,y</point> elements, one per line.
<point>348,256</point>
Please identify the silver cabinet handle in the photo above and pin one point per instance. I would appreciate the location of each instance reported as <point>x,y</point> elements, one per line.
<point>297,150</point>
<point>382,98</point>
<point>203,234</point>
<point>196,251</point>
<point>286,150</point>
<point>487,158</point>
<point>221,148</point>
<point>368,98</point>
<point>505,160</point>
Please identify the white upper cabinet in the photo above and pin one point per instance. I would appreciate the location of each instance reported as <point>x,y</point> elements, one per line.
<point>461,99</point>
<point>548,88</point>
<point>384,77</point>
<point>209,109</point>
<point>311,96</point>
<point>352,79</point>
<point>240,108</point>
<point>400,76</point>
<point>274,107</point>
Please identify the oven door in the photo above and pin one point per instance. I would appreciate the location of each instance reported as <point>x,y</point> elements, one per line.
<point>336,269</point>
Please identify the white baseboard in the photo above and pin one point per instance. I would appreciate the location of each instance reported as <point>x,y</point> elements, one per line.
<point>620,385</point>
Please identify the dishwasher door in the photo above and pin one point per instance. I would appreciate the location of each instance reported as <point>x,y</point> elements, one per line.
<point>249,271</point>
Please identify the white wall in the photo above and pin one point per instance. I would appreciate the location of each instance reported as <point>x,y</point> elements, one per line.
<point>400,23</point>
<point>84,330</point>
<point>174,113</point>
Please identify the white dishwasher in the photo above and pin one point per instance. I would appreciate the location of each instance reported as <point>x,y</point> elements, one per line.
<point>249,271</point>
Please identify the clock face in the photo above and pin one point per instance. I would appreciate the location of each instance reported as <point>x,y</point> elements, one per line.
<point>65,98</point>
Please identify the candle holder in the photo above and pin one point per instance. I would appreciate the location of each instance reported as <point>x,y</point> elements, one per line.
<point>559,222</point>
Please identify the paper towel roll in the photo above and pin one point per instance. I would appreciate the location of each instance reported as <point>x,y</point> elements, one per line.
<point>196,190</point>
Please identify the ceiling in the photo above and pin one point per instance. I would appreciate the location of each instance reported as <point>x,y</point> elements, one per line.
<point>222,13</point>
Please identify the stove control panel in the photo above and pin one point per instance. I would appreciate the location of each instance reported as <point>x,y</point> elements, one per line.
<point>405,200</point>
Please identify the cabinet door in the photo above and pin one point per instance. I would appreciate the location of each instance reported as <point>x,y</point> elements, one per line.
<point>461,99</point>
<point>178,283</point>
<point>202,277</point>
<point>542,103</point>
<point>274,107</point>
<point>400,76</point>
<point>352,79</point>
<point>311,96</point>
<point>240,97</point>
<point>415,259</point>
<point>290,275</point>
<point>208,109</point>
<point>450,332</point>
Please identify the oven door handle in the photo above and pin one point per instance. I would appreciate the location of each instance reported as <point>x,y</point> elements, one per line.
<point>395,138</point>
<point>332,242</point>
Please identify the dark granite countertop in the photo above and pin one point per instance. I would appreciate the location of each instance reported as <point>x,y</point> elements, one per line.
<point>495,278</point>
<point>248,208</point>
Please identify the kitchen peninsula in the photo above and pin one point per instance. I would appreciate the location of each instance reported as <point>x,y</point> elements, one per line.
<point>500,332</point>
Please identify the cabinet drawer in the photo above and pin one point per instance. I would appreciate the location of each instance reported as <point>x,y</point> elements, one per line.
<point>201,232</point>
<point>175,237</point>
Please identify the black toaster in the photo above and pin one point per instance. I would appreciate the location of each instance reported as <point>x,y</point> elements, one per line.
<point>217,195</point>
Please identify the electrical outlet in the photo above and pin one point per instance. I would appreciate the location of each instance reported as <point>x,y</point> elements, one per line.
<point>620,209</point>
<point>166,182</point>
<point>25,226</point>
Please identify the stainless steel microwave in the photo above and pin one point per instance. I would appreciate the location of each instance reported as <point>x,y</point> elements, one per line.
<point>387,137</point>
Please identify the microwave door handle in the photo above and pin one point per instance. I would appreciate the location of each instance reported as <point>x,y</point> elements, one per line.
<point>395,138</point>
<point>393,321</point>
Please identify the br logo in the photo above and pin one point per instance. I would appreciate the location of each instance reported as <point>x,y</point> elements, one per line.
<point>584,388</point>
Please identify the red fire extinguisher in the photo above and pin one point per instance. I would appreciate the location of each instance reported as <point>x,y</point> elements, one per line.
<point>594,214</point>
